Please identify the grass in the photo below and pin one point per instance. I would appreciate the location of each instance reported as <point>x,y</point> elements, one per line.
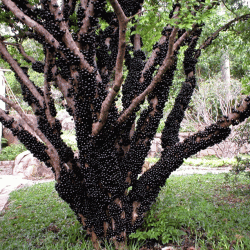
<point>204,210</point>
<point>206,161</point>
<point>36,218</point>
<point>213,161</point>
<point>201,209</point>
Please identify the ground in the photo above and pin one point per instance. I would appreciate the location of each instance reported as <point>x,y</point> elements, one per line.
<point>9,183</point>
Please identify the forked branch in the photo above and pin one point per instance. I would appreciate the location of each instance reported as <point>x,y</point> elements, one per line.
<point>123,21</point>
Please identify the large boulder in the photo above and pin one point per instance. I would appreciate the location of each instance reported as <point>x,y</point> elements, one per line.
<point>28,166</point>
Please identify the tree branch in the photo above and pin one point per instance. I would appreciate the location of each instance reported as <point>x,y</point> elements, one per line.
<point>209,40</point>
<point>26,57</point>
<point>38,149</point>
<point>54,8</point>
<point>25,80</point>
<point>119,12</point>
<point>89,11</point>
<point>84,3</point>
<point>167,63</point>
<point>47,36</point>
<point>151,60</point>
<point>32,24</point>
<point>47,93</point>
<point>172,125</point>
<point>146,189</point>
<point>54,157</point>
<point>123,20</point>
<point>64,87</point>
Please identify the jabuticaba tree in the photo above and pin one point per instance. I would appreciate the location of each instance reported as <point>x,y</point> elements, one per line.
<point>87,64</point>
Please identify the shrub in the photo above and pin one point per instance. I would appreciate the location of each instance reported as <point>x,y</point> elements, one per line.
<point>11,152</point>
<point>241,166</point>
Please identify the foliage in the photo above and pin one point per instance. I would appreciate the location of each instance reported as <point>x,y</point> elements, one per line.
<point>237,36</point>
<point>160,226</point>
<point>213,163</point>
<point>211,101</point>
<point>11,152</point>
<point>4,142</point>
<point>243,133</point>
<point>242,166</point>
<point>16,88</point>
<point>153,19</point>
<point>69,138</point>
<point>201,209</point>
<point>152,159</point>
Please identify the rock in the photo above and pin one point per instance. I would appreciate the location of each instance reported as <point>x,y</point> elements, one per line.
<point>29,166</point>
<point>156,147</point>
<point>68,124</point>
<point>6,167</point>
<point>19,158</point>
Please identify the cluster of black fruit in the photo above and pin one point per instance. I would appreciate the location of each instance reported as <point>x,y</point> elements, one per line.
<point>149,119</point>
<point>172,125</point>
<point>30,142</point>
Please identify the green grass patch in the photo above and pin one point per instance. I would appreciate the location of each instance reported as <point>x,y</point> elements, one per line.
<point>202,209</point>
<point>214,162</point>
<point>38,219</point>
<point>206,161</point>
<point>210,162</point>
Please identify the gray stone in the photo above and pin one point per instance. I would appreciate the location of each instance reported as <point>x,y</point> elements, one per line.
<point>28,166</point>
